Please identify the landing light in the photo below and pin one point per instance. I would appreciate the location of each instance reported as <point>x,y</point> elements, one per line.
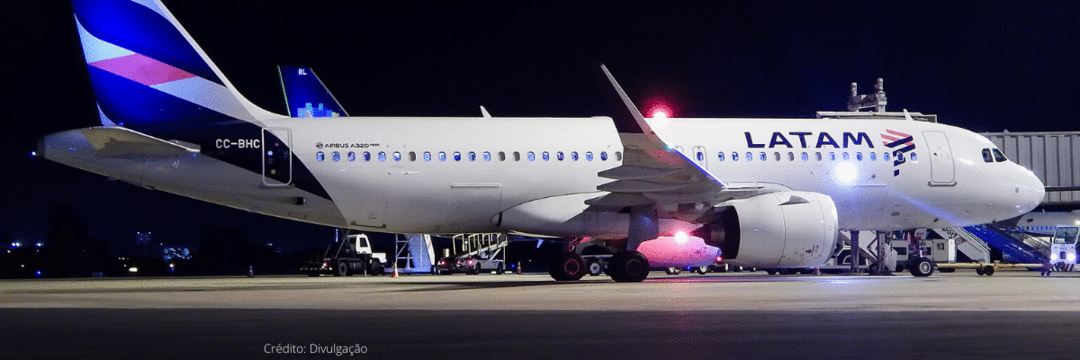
<point>33,154</point>
<point>846,172</point>
<point>1077,223</point>
<point>680,237</point>
<point>1070,257</point>
<point>659,114</point>
<point>1053,257</point>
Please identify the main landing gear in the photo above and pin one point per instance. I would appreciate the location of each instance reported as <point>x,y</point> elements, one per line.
<point>625,266</point>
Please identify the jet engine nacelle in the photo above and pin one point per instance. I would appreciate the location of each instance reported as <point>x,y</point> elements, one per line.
<point>776,229</point>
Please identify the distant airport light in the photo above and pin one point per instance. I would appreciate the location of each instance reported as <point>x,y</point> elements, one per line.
<point>133,269</point>
<point>680,237</point>
<point>846,172</point>
<point>33,154</point>
<point>39,244</point>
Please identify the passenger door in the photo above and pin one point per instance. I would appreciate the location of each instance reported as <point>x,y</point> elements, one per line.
<point>942,169</point>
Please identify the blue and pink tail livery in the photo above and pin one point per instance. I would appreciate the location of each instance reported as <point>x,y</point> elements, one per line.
<point>147,72</point>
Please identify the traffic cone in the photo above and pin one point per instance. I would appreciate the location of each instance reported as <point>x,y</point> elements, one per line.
<point>395,270</point>
<point>251,271</point>
<point>518,269</point>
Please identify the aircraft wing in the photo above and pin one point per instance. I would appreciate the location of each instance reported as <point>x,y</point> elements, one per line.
<point>652,171</point>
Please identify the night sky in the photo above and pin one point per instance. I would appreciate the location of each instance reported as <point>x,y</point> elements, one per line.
<point>986,67</point>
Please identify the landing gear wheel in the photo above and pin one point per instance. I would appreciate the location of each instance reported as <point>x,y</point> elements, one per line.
<point>922,267</point>
<point>770,271</point>
<point>702,270</point>
<point>499,270</point>
<point>477,269</point>
<point>595,268</point>
<point>980,271</point>
<point>342,269</point>
<point>629,266</point>
<point>568,266</point>
<point>671,270</point>
<point>988,270</point>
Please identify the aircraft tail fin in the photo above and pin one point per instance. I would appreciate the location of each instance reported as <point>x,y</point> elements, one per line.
<point>147,72</point>
<point>306,95</point>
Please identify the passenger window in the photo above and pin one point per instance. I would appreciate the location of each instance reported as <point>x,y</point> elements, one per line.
<point>885,156</point>
<point>397,156</point>
<point>720,155</point>
<point>791,156</point>
<point>734,156</point>
<point>472,156</point>
<point>442,156</point>
<point>914,157</point>
<point>776,155</point>
<point>517,156</point>
<point>832,156</point>
<point>818,155</point>
<point>352,156</point>
<point>382,156</point>
<point>573,156</point>
<point>367,156</point>
<point>545,156</point>
<point>762,156</point>
<point>337,156</point>
<point>487,156</point>
<point>427,156</point>
<point>618,156</point>
<point>987,156</point>
<point>749,156</point>
<point>559,155</point>
<point>319,156</point>
<point>873,156</point>
<point>998,156</point>
<point>502,156</point>
<point>805,156</point>
<point>412,156</point>
<point>603,156</point>
<point>457,156</point>
<point>588,156</point>
<point>846,156</point>
<point>700,156</point>
<point>531,156</point>
<point>858,156</point>
<point>900,156</point>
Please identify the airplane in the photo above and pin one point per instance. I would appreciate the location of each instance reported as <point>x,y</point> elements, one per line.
<point>1044,223</point>
<point>767,192</point>
<point>305,94</point>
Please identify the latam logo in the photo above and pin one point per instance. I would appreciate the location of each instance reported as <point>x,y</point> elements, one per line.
<point>901,143</point>
<point>823,139</point>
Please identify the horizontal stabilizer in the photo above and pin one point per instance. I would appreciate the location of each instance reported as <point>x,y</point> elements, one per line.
<point>118,142</point>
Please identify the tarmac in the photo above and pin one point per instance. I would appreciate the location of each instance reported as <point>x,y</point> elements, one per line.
<point>1015,314</point>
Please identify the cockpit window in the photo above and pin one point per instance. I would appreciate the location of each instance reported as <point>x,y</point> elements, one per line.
<point>987,157</point>
<point>998,156</point>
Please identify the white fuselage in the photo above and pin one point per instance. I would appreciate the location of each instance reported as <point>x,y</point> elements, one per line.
<point>439,196</point>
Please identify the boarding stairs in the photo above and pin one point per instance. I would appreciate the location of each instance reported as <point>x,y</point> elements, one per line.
<point>1020,247</point>
<point>414,254</point>
<point>472,245</point>
<point>966,243</point>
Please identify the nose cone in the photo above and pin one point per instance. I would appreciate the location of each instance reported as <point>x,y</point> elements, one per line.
<point>1030,190</point>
